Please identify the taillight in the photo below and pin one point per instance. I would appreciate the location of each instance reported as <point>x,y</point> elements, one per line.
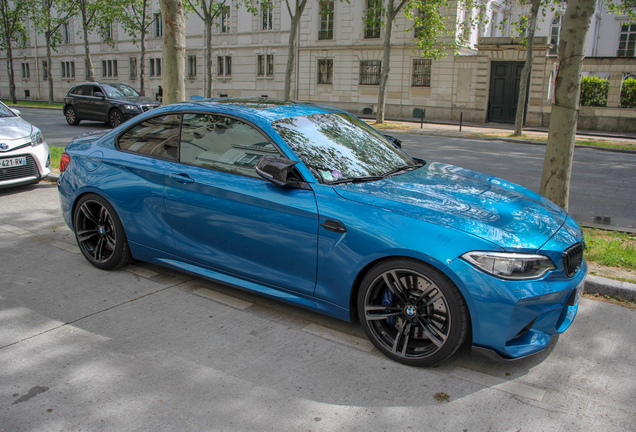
<point>64,161</point>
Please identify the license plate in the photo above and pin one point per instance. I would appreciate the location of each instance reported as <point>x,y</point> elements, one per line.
<point>18,161</point>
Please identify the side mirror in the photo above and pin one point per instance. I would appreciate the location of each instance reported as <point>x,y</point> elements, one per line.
<point>15,111</point>
<point>396,142</point>
<point>277,170</point>
<point>99,95</point>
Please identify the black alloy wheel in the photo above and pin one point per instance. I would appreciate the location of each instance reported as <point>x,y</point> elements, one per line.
<point>100,234</point>
<point>412,313</point>
<point>115,118</point>
<point>71,116</point>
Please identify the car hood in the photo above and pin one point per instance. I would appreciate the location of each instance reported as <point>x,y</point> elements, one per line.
<point>142,100</point>
<point>501,212</point>
<point>12,128</point>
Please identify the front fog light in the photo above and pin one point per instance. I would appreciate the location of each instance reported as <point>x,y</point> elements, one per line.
<point>510,265</point>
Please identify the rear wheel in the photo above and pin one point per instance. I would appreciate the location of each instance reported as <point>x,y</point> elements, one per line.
<point>411,312</point>
<point>100,234</point>
<point>71,116</point>
<point>115,118</point>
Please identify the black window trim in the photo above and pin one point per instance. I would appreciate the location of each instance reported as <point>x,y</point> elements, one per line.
<point>178,161</point>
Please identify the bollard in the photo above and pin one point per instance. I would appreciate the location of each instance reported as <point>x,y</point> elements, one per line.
<point>422,120</point>
<point>461,119</point>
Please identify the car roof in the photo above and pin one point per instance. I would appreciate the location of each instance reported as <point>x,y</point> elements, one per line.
<point>263,108</point>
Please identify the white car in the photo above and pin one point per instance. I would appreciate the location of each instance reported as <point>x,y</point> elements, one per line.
<point>24,155</point>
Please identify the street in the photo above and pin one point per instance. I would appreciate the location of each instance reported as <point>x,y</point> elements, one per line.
<point>148,349</point>
<point>602,181</point>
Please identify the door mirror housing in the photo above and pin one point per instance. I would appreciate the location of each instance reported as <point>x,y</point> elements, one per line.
<point>279,171</point>
<point>395,141</point>
<point>99,95</point>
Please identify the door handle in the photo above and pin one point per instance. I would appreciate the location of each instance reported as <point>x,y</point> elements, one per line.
<point>335,226</point>
<point>182,178</point>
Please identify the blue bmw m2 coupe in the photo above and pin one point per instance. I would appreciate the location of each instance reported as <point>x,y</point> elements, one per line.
<point>309,205</point>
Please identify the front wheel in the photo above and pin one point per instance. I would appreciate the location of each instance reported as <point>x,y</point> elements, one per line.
<point>115,118</point>
<point>71,116</point>
<point>100,234</point>
<point>412,313</point>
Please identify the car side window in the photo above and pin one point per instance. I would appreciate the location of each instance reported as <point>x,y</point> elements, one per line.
<point>96,89</point>
<point>223,143</point>
<point>157,136</point>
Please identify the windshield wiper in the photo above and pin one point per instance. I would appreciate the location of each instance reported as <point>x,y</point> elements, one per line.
<point>360,179</point>
<point>401,169</point>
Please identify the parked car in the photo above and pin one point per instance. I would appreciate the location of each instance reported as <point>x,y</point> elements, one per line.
<point>113,103</point>
<point>309,205</point>
<point>24,155</point>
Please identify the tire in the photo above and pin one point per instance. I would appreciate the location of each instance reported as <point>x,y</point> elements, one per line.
<point>71,116</point>
<point>100,234</point>
<point>411,312</point>
<point>115,118</point>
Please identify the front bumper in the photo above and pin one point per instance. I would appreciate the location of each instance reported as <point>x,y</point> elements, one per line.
<point>38,165</point>
<point>518,318</point>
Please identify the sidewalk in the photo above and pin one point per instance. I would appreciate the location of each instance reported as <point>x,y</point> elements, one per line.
<point>475,130</point>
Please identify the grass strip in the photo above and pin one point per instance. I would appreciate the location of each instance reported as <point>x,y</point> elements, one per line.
<point>56,155</point>
<point>33,104</point>
<point>610,248</point>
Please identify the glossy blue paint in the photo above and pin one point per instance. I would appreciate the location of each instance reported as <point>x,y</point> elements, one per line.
<point>248,233</point>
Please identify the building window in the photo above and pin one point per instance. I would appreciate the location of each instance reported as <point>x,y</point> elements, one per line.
<point>192,66</point>
<point>26,74</point>
<point>325,71</point>
<point>265,65</point>
<point>419,25</point>
<point>373,19</point>
<point>422,72</point>
<point>45,70</point>
<point>225,19</point>
<point>158,25</point>
<point>155,67</point>
<point>370,72</point>
<point>133,67</point>
<point>68,69</point>
<point>555,30</point>
<point>326,20</point>
<point>66,33</point>
<point>224,66</point>
<point>108,32</point>
<point>627,41</point>
<point>109,68</point>
<point>267,11</point>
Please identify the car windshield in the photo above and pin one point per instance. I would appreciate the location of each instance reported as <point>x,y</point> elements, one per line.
<point>339,146</point>
<point>5,111</point>
<point>119,90</point>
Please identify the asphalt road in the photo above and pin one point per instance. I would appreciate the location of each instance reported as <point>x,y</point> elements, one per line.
<point>602,186</point>
<point>147,349</point>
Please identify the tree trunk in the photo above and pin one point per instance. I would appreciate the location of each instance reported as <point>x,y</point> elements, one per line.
<point>87,50</point>
<point>527,67</point>
<point>291,48</point>
<point>11,72</point>
<point>384,78</point>
<point>142,65</point>
<point>208,55</point>
<point>49,64</point>
<point>174,40</point>
<point>557,166</point>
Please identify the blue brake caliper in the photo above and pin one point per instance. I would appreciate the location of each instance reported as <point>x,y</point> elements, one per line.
<point>387,299</point>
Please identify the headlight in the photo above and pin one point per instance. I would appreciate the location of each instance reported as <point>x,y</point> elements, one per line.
<point>132,107</point>
<point>37,139</point>
<point>510,265</point>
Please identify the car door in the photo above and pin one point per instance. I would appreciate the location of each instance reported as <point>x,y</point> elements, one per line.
<point>226,217</point>
<point>99,105</point>
<point>82,98</point>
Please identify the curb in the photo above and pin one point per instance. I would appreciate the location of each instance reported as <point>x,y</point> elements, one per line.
<point>610,287</point>
<point>544,143</point>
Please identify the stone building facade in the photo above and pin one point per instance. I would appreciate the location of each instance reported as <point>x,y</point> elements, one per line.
<point>338,63</point>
